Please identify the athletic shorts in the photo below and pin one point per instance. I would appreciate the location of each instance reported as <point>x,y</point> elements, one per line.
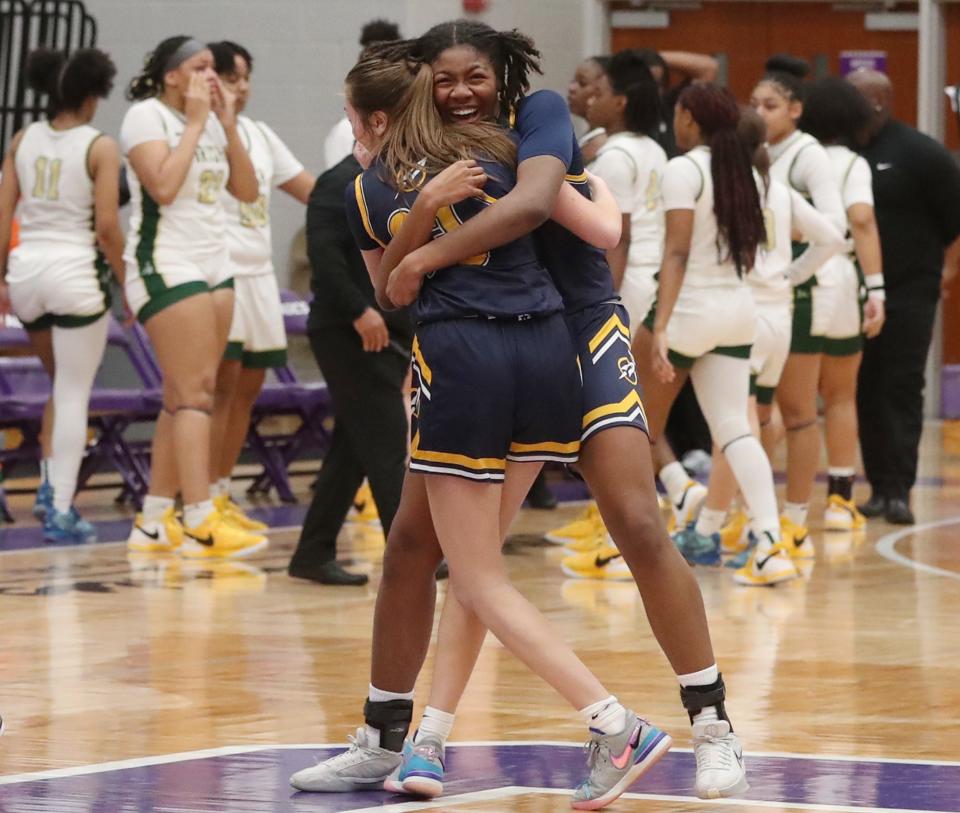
<point>844,331</point>
<point>491,390</point>
<point>638,291</point>
<point>611,396</point>
<point>770,350</point>
<point>709,320</point>
<point>169,279</point>
<point>53,286</point>
<point>257,336</point>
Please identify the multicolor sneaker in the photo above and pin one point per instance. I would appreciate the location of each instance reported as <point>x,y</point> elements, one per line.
<point>236,515</point>
<point>67,527</point>
<point>796,539</point>
<point>763,569</point>
<point>44,501</point>
<point>842,515</point>
<point>604,563</point>
<point>616,761</point>
<point>216,537</point>
<point>586,526</point>
<point>735,535</point>
<point>696,548</point>
<point>160,536</point>
<point>361,767</point>
<point>720,768</point>
<point>686,511</point>
<point>421,768</point>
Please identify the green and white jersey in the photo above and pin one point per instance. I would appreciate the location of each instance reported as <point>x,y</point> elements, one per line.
<point>632,166</point>
<point>688,184</point>
<point>56,190</point>
<point>801,162</point>
<point>248,224</point>
<point>191,228</point>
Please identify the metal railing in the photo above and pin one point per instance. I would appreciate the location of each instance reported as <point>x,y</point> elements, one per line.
<point>64,25</point>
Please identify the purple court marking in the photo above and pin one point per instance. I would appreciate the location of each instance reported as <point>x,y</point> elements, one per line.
<point>257,781</point>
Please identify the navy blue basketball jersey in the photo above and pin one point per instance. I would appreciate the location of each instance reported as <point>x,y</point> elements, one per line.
<point>579,270</point>
<point>508,281</point>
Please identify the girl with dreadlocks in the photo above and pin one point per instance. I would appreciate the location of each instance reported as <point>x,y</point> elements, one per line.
<point>477,74</point>
<point>63,175</point>
<point>703,323</point>
<point>495,396</point>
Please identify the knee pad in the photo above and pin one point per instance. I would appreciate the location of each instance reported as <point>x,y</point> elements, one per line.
<point>730,429</point>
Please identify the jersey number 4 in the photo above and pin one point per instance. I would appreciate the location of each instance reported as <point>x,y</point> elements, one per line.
<point>47,183</point>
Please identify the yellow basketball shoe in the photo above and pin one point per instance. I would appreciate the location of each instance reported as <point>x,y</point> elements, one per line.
<point>364,508</point>
<point>587,525</point>
<point>588,544</point>
<point>686,511</point>
<point>604,564</point>
<point>217,537</point>
<point>796,539</point>
<point>236,515</point>
<point>159,536</point>
<point>734,536</point>
<point>766,569</point>
<point>842,515</point>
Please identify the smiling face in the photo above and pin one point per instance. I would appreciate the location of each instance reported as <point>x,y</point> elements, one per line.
<point>779,113</point>
<point>464,85</point>
<point>583,87</point>
<point>238,81</point>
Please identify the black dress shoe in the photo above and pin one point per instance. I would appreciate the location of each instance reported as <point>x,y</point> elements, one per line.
<point>540,496</point>
<point>876,506</point>
<point>898,512</point>
<point>328,573</point>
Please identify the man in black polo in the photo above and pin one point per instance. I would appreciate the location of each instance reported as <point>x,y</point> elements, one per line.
<point>916,187</point>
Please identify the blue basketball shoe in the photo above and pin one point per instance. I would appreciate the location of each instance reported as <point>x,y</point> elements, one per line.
<point>43,504</point>
<point>696,548</point>
<point>67,527</point>
<point>421,769</point>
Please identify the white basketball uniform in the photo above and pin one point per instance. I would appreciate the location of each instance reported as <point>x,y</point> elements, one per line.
<point>775,274</point>
<point>632,166</point>
<point>257,335</point>
<point>802,163</point>
<point>177,250</point>
<point>56,274</point>
<point>844,335</point>
<point>714,312</point>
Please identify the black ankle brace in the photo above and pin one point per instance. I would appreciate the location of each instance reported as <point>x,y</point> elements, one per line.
<point>696,698</point>
<point>392,719</point>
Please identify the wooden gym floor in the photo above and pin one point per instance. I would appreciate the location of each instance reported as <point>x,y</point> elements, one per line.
<point>152,684</point>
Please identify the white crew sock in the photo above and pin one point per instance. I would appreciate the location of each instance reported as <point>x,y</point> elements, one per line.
<point>195,513</point>
<point>153,507</point>
<point>675,479</point>
<point>710,521</point>
<point>797,513</point>
<point>607,715</point>
<point>220,488</point>
<point>705,677</point>
<point>436,724</point>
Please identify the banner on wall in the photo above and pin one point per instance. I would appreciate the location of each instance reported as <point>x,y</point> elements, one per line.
<point>851,61</point>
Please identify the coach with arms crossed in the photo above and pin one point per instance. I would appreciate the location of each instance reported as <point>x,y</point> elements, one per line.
<point>916,188</point>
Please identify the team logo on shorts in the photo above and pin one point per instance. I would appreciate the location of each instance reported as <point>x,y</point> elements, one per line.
<point>628,368</point>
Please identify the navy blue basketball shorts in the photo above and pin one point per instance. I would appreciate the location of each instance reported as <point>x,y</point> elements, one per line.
<point>611,394</point>
<point>491,390</point>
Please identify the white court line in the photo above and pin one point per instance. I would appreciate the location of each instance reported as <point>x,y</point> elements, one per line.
<point>886,547</point>
<point>232,750</point>
<point>515,791</point>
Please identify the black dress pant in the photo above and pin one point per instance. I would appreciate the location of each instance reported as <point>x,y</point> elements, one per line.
<point>369,438</point>
<point>890,395</point>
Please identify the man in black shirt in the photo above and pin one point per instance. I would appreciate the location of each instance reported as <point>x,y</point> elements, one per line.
<point>916,187</point>
<point>364,355</point>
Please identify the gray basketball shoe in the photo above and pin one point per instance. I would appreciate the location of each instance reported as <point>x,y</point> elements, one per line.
<point>361,767</point>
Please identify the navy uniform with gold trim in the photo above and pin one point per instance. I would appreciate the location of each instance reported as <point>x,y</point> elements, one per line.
<point>598,322</point>
<point>495,368</point>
